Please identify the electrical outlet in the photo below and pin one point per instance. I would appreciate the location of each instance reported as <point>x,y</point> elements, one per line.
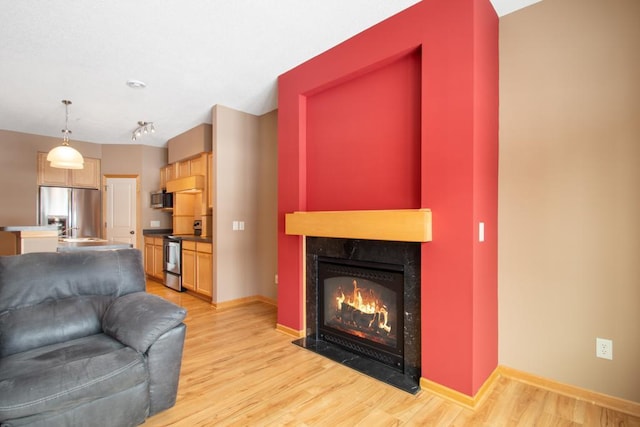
<point>275,279</point>
<point>604,348</point>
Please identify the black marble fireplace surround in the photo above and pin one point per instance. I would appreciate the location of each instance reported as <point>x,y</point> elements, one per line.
<point>405,374</point>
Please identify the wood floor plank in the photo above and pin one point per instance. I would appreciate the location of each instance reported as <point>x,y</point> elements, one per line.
<point>237,370</point>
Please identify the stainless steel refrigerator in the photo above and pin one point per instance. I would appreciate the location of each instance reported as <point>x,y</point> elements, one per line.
<point>75,211</point>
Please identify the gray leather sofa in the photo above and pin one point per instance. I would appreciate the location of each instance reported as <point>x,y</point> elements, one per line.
<point>82,343</point>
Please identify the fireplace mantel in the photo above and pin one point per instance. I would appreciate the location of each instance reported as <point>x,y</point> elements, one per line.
<point>403,225</point>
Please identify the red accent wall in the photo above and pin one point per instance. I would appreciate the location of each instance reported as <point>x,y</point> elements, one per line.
<point>405,115</point>
<point>363,140</point>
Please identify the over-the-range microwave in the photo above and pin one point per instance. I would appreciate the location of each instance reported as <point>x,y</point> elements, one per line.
<point>161,200</point>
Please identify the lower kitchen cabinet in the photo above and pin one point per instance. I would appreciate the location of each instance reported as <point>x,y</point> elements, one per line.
<point>189,265</point>
<point>153,258</point>
<point>197,267</point>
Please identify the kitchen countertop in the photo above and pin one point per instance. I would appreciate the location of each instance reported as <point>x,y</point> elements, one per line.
<point>190,237</point>
<point>193,238</point>
<point>29,228</point>
<point>156,231</point>
<point>89,246</point>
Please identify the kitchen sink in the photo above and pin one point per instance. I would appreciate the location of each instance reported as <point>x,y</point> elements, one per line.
<point>81,239</point>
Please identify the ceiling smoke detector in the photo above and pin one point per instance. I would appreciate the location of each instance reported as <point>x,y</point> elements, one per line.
<point>136,84</point>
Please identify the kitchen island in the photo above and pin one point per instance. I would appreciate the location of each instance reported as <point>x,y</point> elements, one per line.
<point>90,245</point>
<point>22,239</point>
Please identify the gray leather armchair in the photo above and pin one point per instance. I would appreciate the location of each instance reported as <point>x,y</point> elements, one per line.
<point>82,343</point>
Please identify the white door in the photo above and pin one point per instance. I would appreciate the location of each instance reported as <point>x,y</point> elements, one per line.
<point>121,210</point>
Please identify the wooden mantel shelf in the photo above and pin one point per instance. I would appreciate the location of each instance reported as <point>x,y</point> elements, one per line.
<point>403,225</point>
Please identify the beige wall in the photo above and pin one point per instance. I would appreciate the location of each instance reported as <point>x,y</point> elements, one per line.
<point>569,192</point>
<point>267,234</point>
<point>18,169</point>
<point>18,173</point>
<point>144,161</point>
<point>190,143</point>
<point>244,261</point>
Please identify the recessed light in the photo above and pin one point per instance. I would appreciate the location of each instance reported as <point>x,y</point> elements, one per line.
<point>136,84</point>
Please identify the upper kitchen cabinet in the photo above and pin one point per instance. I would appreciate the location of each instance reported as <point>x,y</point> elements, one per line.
<point>191,193</point>
<point>190,167</point>
<point>167,173</point>
<point>198,165</point>
<point>89,177</point>
<point>191,175</point>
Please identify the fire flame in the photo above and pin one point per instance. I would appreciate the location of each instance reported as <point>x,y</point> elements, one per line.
<point>371,306</point>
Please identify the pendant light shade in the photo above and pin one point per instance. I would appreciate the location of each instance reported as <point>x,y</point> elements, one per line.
<point>64,156</point>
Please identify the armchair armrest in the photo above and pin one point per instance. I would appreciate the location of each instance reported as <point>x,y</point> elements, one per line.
<point>139,319</point>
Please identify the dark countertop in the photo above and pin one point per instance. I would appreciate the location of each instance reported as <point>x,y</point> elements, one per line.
<point>193,238</point>
<point>156,231</point>
<point>91,246</point>
<point>198,239</point>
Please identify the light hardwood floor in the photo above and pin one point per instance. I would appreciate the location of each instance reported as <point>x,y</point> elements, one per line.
<point>237,370</point>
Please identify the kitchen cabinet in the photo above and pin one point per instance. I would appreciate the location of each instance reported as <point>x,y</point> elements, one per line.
<point>198,165</point>
<point>197,267</point>
<point>183,213</point>
<point>167,173</point>
<point>153,258</point>
<point>191,186</point>
<point>189,265</point>
<point>89,177</point>
<point>204,269</point>
<point>183,169</point>
<point>190,167</point>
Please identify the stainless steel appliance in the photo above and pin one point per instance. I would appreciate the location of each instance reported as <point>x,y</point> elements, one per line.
<point>161,200</point>
<point>75,211</point>
<point>172,262</point>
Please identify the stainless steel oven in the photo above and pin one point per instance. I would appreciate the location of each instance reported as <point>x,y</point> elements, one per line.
<point>172,262</point>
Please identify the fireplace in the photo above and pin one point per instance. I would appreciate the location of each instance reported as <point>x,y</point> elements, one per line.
<point>363,306</point>
<point>360,308</point>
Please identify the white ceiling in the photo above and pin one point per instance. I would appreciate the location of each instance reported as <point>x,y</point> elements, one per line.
<point>192,54</point>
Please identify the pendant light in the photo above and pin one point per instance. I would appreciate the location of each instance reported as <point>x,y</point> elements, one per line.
<point>64,156</point>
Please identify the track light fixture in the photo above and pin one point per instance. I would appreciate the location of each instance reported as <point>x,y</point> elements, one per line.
<point>142,129</point>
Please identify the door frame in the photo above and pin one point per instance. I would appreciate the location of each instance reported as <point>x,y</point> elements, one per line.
<point>139,237</point>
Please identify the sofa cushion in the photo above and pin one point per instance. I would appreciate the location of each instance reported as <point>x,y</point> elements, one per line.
<point>53,297</point>
<point>51,322</point>
<point>32,278</point>
<point>68,374</point>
